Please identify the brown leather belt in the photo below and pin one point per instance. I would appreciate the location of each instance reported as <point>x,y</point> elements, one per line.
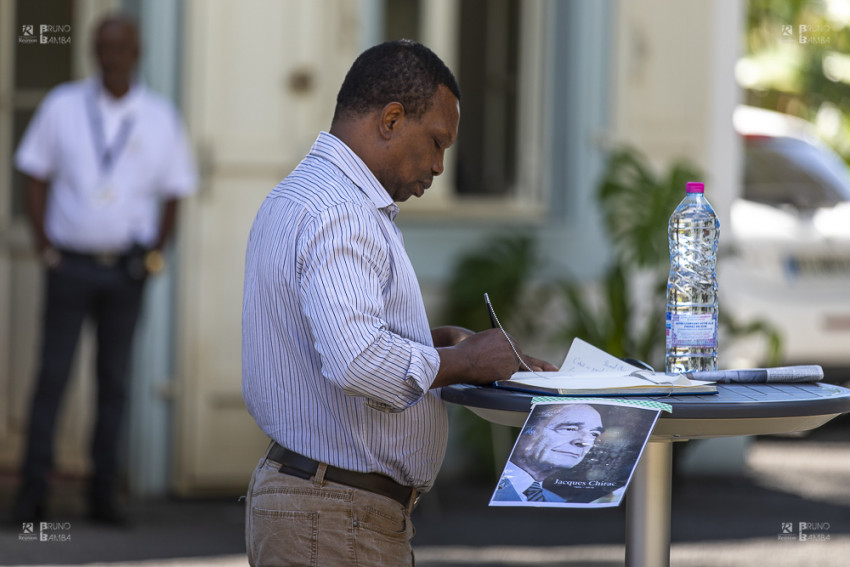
<point>294,464</point>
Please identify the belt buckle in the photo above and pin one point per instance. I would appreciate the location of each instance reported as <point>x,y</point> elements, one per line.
<point>107,259</point>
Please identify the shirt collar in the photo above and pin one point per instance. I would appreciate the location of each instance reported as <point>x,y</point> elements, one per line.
<point>334,150</point>
<point>124,104</point>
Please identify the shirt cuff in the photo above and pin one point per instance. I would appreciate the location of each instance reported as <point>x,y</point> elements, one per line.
<point>423,367</point>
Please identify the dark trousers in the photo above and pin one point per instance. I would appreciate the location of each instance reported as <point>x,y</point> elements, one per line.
<point>78,289</point>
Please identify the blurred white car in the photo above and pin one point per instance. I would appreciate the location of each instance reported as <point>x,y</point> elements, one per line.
<point>790,237</point>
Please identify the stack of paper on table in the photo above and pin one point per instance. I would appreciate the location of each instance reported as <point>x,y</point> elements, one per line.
<point>589,371</point>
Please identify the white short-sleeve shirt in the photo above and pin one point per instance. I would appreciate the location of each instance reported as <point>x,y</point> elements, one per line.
<point>94,207</point>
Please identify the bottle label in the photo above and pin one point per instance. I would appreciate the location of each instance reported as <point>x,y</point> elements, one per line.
<point>691,330</point>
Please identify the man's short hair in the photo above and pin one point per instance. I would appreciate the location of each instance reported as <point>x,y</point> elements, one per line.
<point>401,71</point>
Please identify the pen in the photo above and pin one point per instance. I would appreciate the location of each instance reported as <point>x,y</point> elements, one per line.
<point>493,322</point>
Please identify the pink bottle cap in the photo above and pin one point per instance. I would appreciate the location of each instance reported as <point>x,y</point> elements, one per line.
<point>694,187</point>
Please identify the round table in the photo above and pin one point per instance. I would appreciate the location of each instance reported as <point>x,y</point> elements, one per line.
<point>736,409</point>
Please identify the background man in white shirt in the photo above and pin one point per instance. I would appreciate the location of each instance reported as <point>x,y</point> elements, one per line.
<point>105,162</point>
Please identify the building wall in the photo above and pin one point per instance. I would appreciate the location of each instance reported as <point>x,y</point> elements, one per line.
<point>608,71</point>
<point>257,79</point>
<point>674,87</point>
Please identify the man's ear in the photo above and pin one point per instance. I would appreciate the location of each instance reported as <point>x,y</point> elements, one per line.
<point>391,117</point>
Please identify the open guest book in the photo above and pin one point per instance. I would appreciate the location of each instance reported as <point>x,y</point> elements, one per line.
<point>589,371</point>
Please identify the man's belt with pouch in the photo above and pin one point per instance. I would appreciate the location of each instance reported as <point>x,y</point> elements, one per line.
<point>104,259</point>
<point>137,262</point>
<point>293,464</point>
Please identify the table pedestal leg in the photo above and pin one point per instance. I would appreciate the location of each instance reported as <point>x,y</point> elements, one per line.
<point>648,508</point>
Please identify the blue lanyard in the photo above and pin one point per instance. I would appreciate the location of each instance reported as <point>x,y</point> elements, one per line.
<point>108,155</point>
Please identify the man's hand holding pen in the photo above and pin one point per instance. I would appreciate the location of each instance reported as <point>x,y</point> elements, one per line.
<point>483,358</point>
<point>480,358</point>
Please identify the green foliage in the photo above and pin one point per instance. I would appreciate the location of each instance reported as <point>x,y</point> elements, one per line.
<point>636,204</point>
<point>501,270</point>
<point>793,76</point>
<point>764,18</point>
<point>611,324</point>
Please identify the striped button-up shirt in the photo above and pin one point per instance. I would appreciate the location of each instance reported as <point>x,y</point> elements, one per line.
<point>337,355</point>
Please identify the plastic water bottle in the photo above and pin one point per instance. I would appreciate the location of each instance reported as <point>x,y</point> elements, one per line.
<point>693,233</point>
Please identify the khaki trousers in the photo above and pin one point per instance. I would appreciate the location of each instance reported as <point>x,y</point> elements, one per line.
<point>298,522</point>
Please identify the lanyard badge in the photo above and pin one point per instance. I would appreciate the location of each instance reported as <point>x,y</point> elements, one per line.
<point>107,155</point>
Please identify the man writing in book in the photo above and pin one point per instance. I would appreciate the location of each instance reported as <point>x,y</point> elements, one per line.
<point>339,366</point>
<point>556,437</point>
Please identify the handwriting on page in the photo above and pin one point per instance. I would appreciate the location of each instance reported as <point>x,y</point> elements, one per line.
<point>584,357</point>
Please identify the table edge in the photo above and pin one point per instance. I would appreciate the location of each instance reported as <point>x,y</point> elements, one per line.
<point>495,398</point>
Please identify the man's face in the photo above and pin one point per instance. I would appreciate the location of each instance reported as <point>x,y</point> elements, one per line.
<point>117,51</point>
<point>416,150</point>
<point>564,439</point>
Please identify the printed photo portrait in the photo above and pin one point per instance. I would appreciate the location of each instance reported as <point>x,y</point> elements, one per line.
<point>576,453</point>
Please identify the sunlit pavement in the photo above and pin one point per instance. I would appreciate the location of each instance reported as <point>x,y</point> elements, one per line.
<point>716,522</point>
<point>743,553</point>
